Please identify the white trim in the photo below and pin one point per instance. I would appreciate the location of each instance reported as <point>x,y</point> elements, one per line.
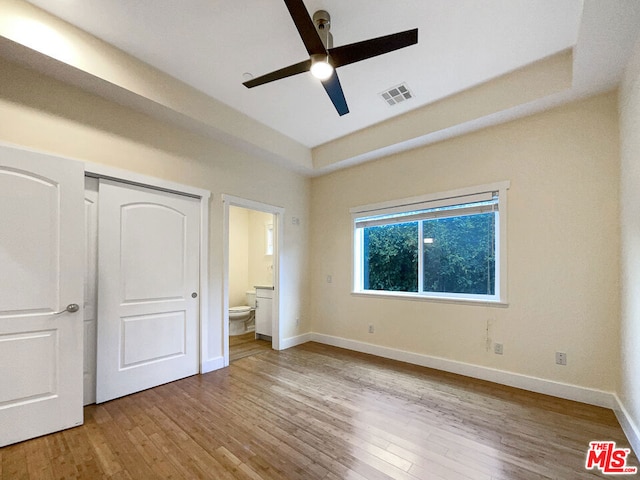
<point>212,364</point>
<point>534,384</point>
<point>420,297</point>
<point>295,341</point>
<point>204,285</point>
<point>501,289</point>
<point>125,176</point>
<point>278,213</point>
<point>251,204</point>
<point>225,284</point>
<point>118,174</point>
<point>630,429</point>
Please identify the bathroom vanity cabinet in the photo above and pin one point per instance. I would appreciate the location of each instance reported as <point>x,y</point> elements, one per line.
<point>264,310</point>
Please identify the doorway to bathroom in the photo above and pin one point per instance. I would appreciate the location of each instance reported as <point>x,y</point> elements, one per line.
<point>251,293</point>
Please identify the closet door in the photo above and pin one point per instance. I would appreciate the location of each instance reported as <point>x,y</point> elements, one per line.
<point>41,277</point>
<point>90,287</point>
<point>148,251</point>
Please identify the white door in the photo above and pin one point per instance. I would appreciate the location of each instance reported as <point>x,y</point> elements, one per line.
<point>41,273</point>
<point>148,264</point>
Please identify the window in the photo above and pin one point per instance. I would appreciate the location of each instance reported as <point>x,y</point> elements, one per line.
<point>450,245</point>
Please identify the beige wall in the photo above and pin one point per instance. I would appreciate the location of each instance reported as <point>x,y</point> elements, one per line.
<point>34,37</point>
<point>563,244</point>
<point>46,115</point>
<point>629,392</point>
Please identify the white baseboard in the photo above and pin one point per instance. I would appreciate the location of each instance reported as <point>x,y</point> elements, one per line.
<point>212,364</point>
<point>539,385</point>
<point>293,341</point>
<point>629,427</point>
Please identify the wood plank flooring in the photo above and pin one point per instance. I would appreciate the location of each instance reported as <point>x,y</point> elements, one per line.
<point>318,412</point>
<point>245,345</point>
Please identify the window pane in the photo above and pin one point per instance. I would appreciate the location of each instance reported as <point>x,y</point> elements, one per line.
<point>459,254</point>
<point>391,257</point>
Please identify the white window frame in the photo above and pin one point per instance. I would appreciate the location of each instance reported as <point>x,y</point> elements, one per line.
<point>412,204</point>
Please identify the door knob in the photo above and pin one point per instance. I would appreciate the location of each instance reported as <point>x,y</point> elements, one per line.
<point>71,308</point>
<point>194,295</point>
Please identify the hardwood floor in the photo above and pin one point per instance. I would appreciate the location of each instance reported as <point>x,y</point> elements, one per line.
<point>318,412</point>
<point>241,346</point>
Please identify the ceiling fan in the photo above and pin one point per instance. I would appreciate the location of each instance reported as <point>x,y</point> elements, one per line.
<point>324,58</point>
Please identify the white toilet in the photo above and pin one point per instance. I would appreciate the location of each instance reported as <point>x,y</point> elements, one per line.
<point>240,316</point>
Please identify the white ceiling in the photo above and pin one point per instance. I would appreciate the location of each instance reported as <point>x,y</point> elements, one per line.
<point>210,44</point>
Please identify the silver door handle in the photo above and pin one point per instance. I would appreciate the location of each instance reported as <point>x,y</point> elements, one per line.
<point>71,308</point>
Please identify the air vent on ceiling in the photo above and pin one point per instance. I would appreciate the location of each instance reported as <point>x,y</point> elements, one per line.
<point>397,94</point>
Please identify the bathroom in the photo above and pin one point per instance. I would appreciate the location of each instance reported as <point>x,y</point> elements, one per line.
<point>251,260</point>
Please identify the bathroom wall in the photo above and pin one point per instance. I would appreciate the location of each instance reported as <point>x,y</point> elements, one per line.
<point>238,258</point>
<point>260,264</point>
<point>248,263</point>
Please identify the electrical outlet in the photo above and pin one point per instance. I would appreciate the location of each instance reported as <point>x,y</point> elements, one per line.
<point>561,358</point>
<point>371,329</point>
<point>329,279</point>
<point>498,349</point>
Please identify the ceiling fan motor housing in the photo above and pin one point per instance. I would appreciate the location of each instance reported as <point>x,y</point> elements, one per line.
<point>322,21</point>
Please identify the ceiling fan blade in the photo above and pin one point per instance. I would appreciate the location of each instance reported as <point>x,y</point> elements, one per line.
<point>334,90</point>
<point>305,26</point>
<point>279,74</point>
<point>355,52</point>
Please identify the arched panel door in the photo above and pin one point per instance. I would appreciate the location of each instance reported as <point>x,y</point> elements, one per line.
<point>41,294</point>
<point>148,287</point>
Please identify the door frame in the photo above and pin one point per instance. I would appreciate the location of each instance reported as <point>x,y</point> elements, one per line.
<point>127,177</point>
<point>278,213</point>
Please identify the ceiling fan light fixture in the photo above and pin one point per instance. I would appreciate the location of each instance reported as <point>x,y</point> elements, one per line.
<point>320,67</point>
